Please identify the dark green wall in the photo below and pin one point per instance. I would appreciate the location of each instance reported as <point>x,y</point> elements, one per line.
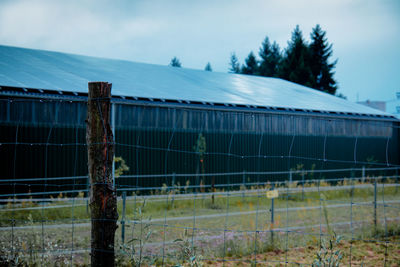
<point>47,139</point>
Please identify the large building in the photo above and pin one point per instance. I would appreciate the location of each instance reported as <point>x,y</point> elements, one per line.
<point>379,105</point>
<point>171,122</point>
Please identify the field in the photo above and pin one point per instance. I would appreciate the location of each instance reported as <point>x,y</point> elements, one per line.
<point>347,221</point>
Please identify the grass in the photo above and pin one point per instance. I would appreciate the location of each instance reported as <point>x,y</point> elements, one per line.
<point>362,254</point>
<point>238,229</point>
<point>178,207</point>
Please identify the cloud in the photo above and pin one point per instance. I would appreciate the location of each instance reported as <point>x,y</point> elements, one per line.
<point>69,26</point>
<point>154,31</point>
<point>185,25</point>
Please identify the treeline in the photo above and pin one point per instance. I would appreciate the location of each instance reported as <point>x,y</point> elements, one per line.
<point>301,62</point>
<point>176,63</point>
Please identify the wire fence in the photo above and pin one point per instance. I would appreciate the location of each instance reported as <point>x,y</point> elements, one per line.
<point>300,215</point>
<point>245,225</point>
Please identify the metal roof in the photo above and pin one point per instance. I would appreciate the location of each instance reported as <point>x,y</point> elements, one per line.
<point>21,67</point>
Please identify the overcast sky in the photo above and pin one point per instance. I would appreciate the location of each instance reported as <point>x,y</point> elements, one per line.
<point>365,33</point>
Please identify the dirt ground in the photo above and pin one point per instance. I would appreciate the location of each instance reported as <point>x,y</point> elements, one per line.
<point>362,254</point>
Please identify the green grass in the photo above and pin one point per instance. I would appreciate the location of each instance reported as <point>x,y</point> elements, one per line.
<point>254,214</point>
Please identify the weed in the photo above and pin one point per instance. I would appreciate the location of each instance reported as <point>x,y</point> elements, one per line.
<point>186,252</point>
<point>121,166</point>
<point>213,206</point>
<point>134,247</point>
<point>329,255</point>
<point>393,230</point>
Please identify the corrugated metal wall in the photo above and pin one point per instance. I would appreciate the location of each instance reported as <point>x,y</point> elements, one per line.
<point>144,117</point>
<point>47,139</point>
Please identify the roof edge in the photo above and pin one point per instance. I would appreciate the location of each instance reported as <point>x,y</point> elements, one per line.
<point>49,94</point>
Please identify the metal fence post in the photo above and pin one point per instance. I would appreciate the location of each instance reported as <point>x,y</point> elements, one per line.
<point>302,181</point>
<point>272,218</point>
<point>173,182</point>
<point>375,204</point>
<point>123,217</point>
<point>363,174</point>
<point>173,189</point>
<point>243,182</point>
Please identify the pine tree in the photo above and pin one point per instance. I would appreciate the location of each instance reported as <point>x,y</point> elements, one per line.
<point>208,67</point>
<point>234,64</point>
<point>341,95</point>
<point>270,59</point>
<point>322,70</point>
<point>175,63</point>
<point>295,64</point>
<point>251,65</point>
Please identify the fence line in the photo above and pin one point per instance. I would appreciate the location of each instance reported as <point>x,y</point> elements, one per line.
<point>224,221</point>
<point>196,221</point>
<point>130,188</point>
<point>188,196</point>
<point>213,174</point>
<point>241,156</point>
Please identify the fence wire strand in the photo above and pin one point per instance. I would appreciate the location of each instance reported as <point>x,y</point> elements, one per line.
<point>237,219</point>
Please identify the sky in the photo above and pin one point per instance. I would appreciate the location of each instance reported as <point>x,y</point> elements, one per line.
<point>365,34</point>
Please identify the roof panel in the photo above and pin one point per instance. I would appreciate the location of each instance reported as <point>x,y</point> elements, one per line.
<point>31,68</point>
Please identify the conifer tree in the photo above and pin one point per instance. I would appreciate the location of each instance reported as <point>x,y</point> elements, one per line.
<point>208,67</point>
<point>322,70</point>
<point>295,65</point>
<point>270,59</point>
<point>251,65</point>
<point>175,63</point>
<point>234,64</point>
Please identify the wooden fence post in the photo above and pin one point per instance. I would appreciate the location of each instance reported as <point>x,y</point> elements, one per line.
<point>103,201</point>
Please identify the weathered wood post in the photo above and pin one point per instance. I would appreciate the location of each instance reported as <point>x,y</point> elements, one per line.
<point>103,201</point>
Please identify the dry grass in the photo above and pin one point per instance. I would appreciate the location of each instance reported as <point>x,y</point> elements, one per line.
<point>362,254</point>
<point>213,243</point>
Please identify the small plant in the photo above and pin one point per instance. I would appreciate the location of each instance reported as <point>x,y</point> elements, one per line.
<point>10,260</point>
<point>170,204</point>
<point>186,252</point>
<point>185,188</point>
<point>392,230</point>
<point>236,246</point>
<point>164,189</point>
<point>213,206</point>
<point>122,167</point>
<point>32,243</point>
<point>137,244</point>
<point>200,148</point>
<point>329,255</point>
